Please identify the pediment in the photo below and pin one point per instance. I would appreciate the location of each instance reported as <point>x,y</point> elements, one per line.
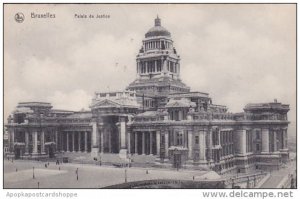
<point>106,103</point>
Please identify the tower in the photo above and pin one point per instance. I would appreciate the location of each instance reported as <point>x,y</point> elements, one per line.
<point>158,65</point>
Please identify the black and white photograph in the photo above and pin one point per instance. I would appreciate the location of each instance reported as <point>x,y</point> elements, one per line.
<point>150,96</point>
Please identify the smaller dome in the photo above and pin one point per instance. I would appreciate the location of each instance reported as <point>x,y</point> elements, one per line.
<point>157,30</point>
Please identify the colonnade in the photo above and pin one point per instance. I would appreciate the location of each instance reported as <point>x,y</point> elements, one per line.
<point>75,141</point>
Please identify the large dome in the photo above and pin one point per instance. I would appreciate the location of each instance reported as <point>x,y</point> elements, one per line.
<point>157,30</point>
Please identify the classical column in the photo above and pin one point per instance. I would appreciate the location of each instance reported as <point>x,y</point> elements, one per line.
<point>123,132</point>
<point>102,140</point>
<point>56,140</point>
<point>73,141</point>
<point>151,153</point>
<point>166,145</point>
<point>202,145</point>
<point>174,136</point>
<point>95,144</point>
<point>185,139</point>
<point>242,141</point>
<point>109,142</point>
<point>128,142</point>
<point>143,144</point>
<point>275,140</point>
<point>79,141</point>
<point>10,140</point>
<point>146,66</point>
<point>210,144</point>
<point>68,148</point>
<point>284,136</point>
<point>158,143</point>
<point>26,142</point>
<point>190,144</point>
<point>136,142</point>
<point>42,142</point>
<point>85,141</point>
<point>61,141</point>
<point>35,150</point>
<point>265,140</point>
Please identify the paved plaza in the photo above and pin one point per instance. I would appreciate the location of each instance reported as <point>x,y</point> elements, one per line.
<point>19,174</point>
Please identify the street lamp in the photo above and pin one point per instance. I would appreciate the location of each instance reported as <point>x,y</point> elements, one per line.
<point>33,177</point>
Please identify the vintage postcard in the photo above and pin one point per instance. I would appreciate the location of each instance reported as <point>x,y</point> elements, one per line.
<point>159,96</point>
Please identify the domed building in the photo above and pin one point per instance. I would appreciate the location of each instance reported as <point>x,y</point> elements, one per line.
<point>156,121</point>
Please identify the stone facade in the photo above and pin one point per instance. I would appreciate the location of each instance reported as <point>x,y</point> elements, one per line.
<point>156,116</point>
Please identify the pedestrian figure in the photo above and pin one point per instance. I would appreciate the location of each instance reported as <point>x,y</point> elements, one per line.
<point>147,171</point>
<point>45,165</point>
<point>193,178</point>
<point>48,163</point>
<point>58,168</point>
<point>77,174</point>
<point>16,169</point>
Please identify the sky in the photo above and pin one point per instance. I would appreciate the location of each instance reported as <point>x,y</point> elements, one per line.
<point>238,53</point>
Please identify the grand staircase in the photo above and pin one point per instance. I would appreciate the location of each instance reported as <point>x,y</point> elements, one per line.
<point>107,159</point>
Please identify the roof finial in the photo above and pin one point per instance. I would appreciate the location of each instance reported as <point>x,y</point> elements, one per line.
<point>157,21</point>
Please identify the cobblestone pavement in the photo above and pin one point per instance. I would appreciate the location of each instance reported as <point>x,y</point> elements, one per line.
<point>19,174</point>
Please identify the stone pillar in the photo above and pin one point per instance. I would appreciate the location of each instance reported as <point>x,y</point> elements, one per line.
<point>151,153</point>
<point>123,132</point>
<point>73,141</point>
<point>190,144</point>
<point>109,142</point>
<point>284,132</point>
<point>143,144</point>
<point>61,141</point>
<point>275,140</point>
<point>265,140</point>
<point>35,148</point>
<point>95,144</point>
<point>13,140</point>
<point>85,141</point>
<point>26,143</point>
<point>79,141</point>
<point>166,145</point>
<point>42,142</point>
<point>242,144</point>
<point>128,142</point>
<point>146,66</point>
<point>185,139</point>
<point>202,145</point>
<point>210,144</point>
<point>68,148</point>
<point>56,140</point>
<point>158,143</point>
<point>102,140</point>
<point>136,142</point>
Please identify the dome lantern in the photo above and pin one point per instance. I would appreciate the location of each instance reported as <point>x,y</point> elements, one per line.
<point>157,21</point>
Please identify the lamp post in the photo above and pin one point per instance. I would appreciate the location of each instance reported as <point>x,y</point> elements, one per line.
<point>33,177</point>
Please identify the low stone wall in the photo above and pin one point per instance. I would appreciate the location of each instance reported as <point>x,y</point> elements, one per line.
<point>170,184</point>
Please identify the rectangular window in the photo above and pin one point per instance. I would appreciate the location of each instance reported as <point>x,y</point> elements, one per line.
<point>257,135</point>
<point>196,139</point>
<point>179,138</point>
<point>257,147</point>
